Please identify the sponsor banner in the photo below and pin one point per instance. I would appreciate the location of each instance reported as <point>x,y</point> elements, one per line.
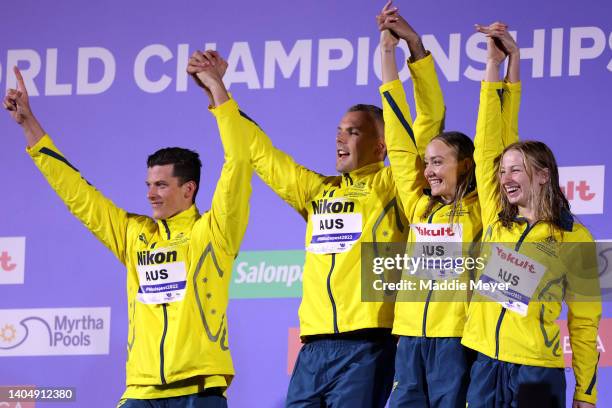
<point>267,274</point>
<point>52,332</point>
<point>584,188</point>
<point>12,260</point>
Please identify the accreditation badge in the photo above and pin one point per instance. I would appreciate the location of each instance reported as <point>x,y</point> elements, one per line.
<point>333,229</point>
<point>437,250</point>
<point>162,276</point>
<point>521,274</point>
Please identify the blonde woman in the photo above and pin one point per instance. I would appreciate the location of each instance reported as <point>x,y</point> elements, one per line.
<point>527,222</point>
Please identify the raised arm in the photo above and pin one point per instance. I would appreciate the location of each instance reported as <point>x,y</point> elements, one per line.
<point>408,170</point>
<point>511,96</point>
<point>295,184</point>
<point>430,109</point>
<point>105,220</point>
<point>505,46</point>
<point>406,164</point>
<point>292,182</point>
<point>229,211</point>
<point>497,125</point>
<point>488,142</point>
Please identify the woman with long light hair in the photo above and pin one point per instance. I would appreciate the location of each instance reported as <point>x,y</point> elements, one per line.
<point>534,247</point>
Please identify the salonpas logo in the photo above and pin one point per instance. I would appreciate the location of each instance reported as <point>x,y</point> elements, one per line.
<point>267,274</point>
<point>51,332</point>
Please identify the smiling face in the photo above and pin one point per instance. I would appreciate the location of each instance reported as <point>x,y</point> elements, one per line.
<point>519,186</point>
<point>164,192</point>
<point>359,142</point>
<point>441,170</point>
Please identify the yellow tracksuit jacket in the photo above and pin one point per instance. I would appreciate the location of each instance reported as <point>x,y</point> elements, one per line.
<point>419,313</point>
<point>533,339</point>
<point>332,298</point>
<point>180,347</point>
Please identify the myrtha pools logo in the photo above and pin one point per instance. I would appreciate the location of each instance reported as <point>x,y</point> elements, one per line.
<point>46,332</point>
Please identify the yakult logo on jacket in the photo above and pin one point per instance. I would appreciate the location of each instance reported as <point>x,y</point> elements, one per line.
<point>515,261</point>
<point>435,231</point>
<point>12,259</point>
<point>47,332</point>
<point>584,188</point>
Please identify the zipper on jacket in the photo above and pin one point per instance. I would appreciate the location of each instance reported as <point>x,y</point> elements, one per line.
<point>524,235</point>
<point>425,312</point>
<point>161,345</point>
<point>348,179</point>
<point>429,221</point>
<point>331,296</point>
<point>167,228</point>
<point>503,311</point>
<point>497,329</point>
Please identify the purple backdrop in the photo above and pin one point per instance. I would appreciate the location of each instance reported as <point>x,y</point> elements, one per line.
<point>107,130</point>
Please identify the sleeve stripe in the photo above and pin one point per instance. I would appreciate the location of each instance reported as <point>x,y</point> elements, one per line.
<point>399,115</point>
<point>244,115</point>
<point>594,379</point>
<point>55,155</point>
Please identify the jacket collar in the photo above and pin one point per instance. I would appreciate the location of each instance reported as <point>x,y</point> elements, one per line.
<point>179,222</point>
<point>566,221</point>
<point>363,171</point>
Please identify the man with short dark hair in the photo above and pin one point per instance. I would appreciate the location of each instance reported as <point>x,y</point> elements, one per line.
<point>183,164</point>
<point>178,261</point>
